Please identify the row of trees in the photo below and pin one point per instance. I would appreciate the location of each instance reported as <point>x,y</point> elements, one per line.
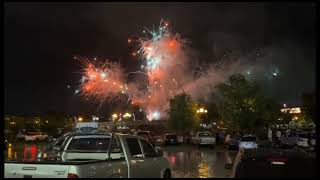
<point>47,123</point>
<point>240,104</point>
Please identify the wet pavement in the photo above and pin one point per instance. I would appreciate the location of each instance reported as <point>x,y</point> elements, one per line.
<point>189,161</point>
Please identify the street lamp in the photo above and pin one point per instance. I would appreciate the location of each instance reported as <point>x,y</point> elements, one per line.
<point>126,115</point>
<point>202,110</point>
<point>114,116</point>
<point>80,119</point>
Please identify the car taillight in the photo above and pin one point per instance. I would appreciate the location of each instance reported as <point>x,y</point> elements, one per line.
<point>71,175</point>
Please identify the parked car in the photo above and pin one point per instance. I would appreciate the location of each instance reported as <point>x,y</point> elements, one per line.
<point>272,163</point>
<point>34,136</point>
<point>300,138</point>
<point>96,155</point>
<point>171,139</point>
<point>203,138</point>
<point>248,142</point>
<point>187,138</point>
<point>148,136</point>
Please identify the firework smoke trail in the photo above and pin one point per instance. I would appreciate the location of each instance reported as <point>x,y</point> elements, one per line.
<point>102,80</point>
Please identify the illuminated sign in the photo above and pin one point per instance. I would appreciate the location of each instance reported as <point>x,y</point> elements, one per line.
<point>295,110</point>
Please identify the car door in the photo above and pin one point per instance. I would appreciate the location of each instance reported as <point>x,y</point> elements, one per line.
<point>151,160</point>
<point>138,169</point>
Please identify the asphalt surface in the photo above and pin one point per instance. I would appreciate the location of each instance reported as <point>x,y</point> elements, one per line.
<point>191,161</point>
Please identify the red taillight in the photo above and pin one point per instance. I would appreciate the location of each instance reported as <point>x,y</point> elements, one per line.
<point>71,175</point>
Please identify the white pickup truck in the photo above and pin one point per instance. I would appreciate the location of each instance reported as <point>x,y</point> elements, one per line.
<point>203,138</point>
<point>94,155</point>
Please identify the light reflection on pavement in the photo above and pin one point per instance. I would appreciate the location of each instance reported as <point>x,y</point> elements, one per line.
<point>189,161</point>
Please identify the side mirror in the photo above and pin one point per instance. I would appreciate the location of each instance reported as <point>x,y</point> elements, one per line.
<point>228,166</point>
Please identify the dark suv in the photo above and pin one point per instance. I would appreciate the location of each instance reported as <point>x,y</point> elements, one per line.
<point>271,162</point>
<point>171,139</point>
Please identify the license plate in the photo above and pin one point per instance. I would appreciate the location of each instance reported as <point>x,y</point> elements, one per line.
<point>27,176</point>
<point>277,163</point>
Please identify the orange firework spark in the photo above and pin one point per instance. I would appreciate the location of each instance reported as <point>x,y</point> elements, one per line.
<point>101,80</point>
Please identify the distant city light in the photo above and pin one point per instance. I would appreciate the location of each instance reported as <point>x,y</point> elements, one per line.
<point>114,116</point>
<point>155,116</point>
<point>126,115</point>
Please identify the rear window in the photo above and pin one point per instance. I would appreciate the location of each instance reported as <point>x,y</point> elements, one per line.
<point>248,139</point>
<point>142,133</point>
<point>171,136</point>
<point>89,144</point>
<point>313,135</point>
<point>304,135</point>
<point>204,134</point>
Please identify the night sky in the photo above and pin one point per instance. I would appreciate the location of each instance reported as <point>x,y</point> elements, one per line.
<point>42,38</point>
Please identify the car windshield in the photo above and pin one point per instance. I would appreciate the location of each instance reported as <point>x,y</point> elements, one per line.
<point>89,144</point>
<point>204,134</point>
<point>248,139</point>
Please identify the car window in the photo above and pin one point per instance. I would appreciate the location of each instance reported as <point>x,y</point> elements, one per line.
<point>143,134</point>
<point>304,135</point>
<point>313,135</point>
<point>116,149</point>
<point>134,147</point>
<point>89,144</point>
<point>147,149</point>
<point>292,135</point>
<point>204,134</point>
<point>248,139</point>
<point>171,136</point>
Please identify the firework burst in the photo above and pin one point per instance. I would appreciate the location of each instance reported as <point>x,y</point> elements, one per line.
<point>101,80</point>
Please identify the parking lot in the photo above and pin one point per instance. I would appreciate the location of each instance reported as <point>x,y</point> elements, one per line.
<point>186,160</point>
<point>190,161</point>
